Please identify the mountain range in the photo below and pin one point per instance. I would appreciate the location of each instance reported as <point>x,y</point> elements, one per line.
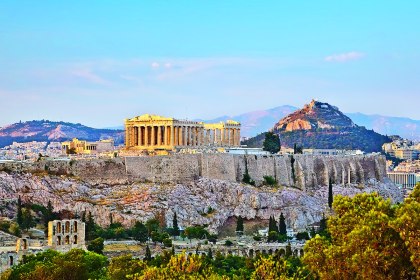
<point>44,130</point>
<point>253,123</point>
<point>256,122</point>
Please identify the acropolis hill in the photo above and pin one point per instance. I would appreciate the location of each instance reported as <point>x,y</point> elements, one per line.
<point>137,188</point>
<point>133,187</point>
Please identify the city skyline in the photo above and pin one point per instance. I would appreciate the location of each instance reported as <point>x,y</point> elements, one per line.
<point>71,62</point>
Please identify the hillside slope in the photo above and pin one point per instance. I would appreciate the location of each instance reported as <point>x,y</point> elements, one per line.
<point>322,126</point>
<point>44,130</point>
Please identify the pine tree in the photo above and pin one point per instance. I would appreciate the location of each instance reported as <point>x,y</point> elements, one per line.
<point>148,254</point>
<point>282,224</point>
<point>330,194</point>
<point>240,224</point>
<point>175,225</point>
<point>19,215</point>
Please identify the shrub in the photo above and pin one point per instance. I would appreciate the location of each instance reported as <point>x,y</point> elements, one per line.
<point>269,180</point>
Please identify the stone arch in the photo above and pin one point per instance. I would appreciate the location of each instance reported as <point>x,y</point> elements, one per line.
<point>67,227</point>
<point>270,251</point>
<point>11,261</point>
<point>251,253</point>
<point>59,240</point>
<point>67,240</point>
<point>75,226</point>
<point>75,239</point>
<point>58,227</point>
<point>295,252</point>
<point>25,244</point>
<point>301,253</point>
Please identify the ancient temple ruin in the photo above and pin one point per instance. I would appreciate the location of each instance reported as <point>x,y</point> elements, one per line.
<point>152,132</point>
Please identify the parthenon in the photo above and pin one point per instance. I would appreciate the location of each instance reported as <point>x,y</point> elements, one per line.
<point>152,132</point>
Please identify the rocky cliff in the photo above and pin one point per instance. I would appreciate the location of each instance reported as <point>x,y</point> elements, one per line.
<point>191,200</point>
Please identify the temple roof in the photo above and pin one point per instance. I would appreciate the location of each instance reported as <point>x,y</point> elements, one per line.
<point>149,117</point>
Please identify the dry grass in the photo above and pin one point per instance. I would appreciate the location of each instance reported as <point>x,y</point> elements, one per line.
<point>122,247</point>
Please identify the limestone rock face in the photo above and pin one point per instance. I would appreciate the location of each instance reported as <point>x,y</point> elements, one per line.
<point>312,116</point>
<point>191,201</point>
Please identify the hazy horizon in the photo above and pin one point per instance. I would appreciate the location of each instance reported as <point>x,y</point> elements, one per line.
<point>96,63</point>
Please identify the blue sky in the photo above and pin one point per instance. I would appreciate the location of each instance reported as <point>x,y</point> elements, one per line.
<point>98,62</point>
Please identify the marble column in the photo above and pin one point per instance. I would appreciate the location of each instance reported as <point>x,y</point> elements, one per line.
<point>139,136</point>
<point>153,136</point>
<point>172,135</point>
<point>194,136</point>
<point>165,135</point>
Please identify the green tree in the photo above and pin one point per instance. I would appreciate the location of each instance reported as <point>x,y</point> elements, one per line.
<point>175,226</point>
<point>407,224</point>
<point>122,266</point>
<point>96,245</point>
<point>272,225</point>
<point>152,225</point>
<point>282,224</point>
<point>19,215</point>
<point>240,224</point>
<point>271,143</point>
<point>330,193</point>
<point>139,232</point>
<point>363,243</point>
<point>28,220</point>
<point>148,254</point>
<point>288,250</point>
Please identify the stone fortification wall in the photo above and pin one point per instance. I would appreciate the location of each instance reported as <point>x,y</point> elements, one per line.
<point>301,171</point>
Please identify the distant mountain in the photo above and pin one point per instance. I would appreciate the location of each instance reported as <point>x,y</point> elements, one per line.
<point>256,122</point>
<point>323,126</point>
<point>44,130</point>
<point>404,127</point>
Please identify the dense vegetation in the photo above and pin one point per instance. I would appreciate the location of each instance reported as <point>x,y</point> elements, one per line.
<point>366,238</point>
<point>344,138</point>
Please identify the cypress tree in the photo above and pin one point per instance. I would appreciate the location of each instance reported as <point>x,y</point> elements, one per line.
<point>282,224</point>
<point>175,225</point>
<point>330,194</point>
<point>272,225</point>
<point>288,250</point>
<point>148,254</point>
<point>240,224</point>
<point>19,215</point>
<point>210,254</point>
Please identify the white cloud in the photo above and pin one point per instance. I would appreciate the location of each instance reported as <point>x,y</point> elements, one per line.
<point>344,57</point>
<point>88,75</point>
<point>155,65</point>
